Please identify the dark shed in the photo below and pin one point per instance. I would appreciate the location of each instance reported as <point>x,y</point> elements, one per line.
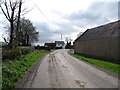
<point>50,45</point>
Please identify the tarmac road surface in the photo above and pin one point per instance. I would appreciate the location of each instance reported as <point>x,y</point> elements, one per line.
<point>60,70</point>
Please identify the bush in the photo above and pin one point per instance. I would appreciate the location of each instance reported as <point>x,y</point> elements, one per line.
<point>11,54</point>
<point>41,47</point>
<point>26,50</point>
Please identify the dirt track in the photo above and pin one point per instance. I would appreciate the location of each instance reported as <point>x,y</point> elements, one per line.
<point>60,70</point>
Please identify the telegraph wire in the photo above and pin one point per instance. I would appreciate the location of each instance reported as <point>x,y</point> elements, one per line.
<point>41,12</point>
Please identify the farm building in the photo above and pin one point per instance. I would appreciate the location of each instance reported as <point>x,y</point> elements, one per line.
<point>101,42</point>
<point>50,45</point>
<point>60,43</point>
<point>55,45</point>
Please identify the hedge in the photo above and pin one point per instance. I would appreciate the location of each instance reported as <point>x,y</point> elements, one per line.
<point>12,54</point>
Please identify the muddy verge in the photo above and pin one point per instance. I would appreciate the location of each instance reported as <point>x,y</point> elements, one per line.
<point>26,81</point>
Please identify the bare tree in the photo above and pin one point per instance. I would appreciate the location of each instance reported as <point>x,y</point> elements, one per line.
<point>68,44</point>
<point>11,9</point>
<point>80,33</point>
<point>68,39</point>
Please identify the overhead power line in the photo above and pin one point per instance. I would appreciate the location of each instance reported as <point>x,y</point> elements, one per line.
<point>41,12</point>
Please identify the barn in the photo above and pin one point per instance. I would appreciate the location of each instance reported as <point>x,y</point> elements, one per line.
<point>101,42</point>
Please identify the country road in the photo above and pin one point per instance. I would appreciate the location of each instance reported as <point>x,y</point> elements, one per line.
<point>60,70</point>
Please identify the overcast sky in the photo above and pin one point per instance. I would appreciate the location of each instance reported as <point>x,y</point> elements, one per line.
<point>67,17</point>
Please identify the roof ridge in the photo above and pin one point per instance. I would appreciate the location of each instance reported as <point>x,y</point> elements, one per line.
<point>105,31</point>
<point>105,24</point>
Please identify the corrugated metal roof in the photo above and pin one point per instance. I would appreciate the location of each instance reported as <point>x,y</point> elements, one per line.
<point>104,31</point>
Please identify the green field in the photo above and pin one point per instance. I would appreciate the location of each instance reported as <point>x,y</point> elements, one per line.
<point>104,64</point>
<point>14,70</point>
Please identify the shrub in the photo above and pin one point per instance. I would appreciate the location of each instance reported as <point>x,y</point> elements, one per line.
<point>26,50</point>
<point>11,54</point>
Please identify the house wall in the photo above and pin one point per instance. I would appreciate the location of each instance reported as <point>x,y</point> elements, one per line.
<point>102,48</point>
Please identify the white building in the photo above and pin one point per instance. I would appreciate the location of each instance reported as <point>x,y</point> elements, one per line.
<point>60,43</point>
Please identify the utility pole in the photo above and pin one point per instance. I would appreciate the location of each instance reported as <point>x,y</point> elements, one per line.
<point>61,37</point>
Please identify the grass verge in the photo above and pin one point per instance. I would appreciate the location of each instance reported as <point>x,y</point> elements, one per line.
<point>12,71</point>
<point>104,64</point>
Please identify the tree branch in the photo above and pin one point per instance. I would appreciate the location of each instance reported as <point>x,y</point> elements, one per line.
<point>10,4</point>
<point>27,11</point>
<point>5,39</point>
<point>4,13</point>
<point>7,9</point>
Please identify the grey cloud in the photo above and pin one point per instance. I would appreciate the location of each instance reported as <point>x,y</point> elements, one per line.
<point>96,14</point>
<point>48,34</point>
<point>119,10</point>
<point>4,24</point>
<point>44,32</point>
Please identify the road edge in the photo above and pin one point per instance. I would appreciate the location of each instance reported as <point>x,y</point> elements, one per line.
<point>99,68</point>
<point>28,77</point>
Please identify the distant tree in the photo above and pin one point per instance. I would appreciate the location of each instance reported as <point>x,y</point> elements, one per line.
<point>80,33</point>
<point>68,40</point>
<point>27,32</point>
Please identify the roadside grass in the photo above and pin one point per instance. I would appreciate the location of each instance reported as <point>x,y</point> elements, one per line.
<point>12,71</point>
<point>104,64</point>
